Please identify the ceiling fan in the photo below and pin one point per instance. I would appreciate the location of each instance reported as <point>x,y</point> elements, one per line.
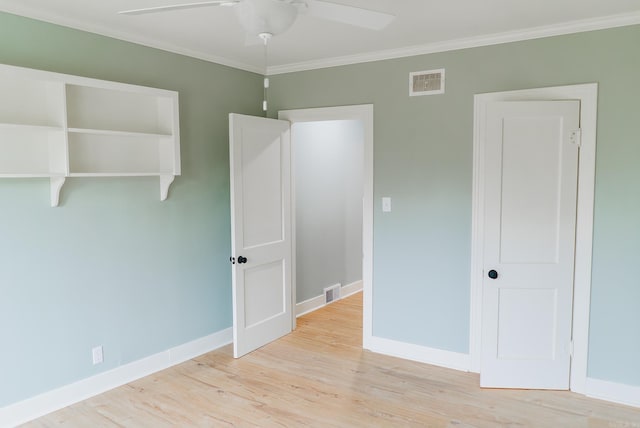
<point>272,17</point>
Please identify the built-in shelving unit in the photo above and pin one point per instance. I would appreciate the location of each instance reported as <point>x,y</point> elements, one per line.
<point>57,126</point>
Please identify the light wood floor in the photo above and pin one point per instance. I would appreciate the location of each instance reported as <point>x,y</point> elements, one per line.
<point>320,376</point>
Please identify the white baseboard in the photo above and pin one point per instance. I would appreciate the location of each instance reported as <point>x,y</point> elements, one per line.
<point>350,289</point>
<point>317,302</point>
<point>595,388</point>
<point>614,392</point>
<point>32,408</point>
<point>309,305</point>
<point>422,354</point>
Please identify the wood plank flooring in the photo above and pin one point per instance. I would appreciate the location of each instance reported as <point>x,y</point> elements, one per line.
<point>319,376</point>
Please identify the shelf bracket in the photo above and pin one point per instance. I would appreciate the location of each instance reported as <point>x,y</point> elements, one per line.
<point>56,186</point>
<point>165,182</point>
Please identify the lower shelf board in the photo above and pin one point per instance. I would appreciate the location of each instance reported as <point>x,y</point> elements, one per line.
<point>30,175</point>
<point>117,174</point>
<point>56,182</point>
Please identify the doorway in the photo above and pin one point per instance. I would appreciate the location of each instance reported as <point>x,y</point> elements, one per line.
<point>362,117</point>
<point>587,96</point>
<point>327,185</point>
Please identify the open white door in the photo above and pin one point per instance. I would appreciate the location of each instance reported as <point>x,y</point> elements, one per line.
<point>260,155</point>
<point>531,158</point>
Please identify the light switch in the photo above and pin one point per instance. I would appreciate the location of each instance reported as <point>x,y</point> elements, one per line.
<point>386,205</point>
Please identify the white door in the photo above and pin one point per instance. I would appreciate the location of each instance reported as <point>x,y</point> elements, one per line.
<point>260,162</point>
<point>531,164</point>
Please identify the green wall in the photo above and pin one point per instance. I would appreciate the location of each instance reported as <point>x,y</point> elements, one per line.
<point>423,160</point>
<point>113,265</point>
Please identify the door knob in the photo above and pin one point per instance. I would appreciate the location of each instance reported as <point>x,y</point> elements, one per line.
<point>493,274</point>
<point>242,260</point>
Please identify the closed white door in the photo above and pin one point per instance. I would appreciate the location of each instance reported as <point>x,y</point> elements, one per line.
<point>531,164</point>
<point>260,163</point>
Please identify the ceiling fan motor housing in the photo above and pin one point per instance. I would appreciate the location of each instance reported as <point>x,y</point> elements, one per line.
<point>266,16</point>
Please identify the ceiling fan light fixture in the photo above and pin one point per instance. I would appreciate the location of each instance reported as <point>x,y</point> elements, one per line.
<point>266,16</point>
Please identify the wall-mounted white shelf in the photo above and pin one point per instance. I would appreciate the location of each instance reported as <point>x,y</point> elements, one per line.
<point>57,126</point>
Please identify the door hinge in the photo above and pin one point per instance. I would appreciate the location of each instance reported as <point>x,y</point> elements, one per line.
<point>571,349</point>
<point>576,137</point>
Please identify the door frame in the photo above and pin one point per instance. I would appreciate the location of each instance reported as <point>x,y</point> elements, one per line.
<point>588,96</point>
<point>363,113</point>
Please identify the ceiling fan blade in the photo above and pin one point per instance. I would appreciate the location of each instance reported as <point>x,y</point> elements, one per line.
<point>351,15</point>
<point>178,7</point>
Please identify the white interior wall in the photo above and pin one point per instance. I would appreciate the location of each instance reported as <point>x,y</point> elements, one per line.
<point>328,173</point>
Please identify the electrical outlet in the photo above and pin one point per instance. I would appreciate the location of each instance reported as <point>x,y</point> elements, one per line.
<point>98,355</point>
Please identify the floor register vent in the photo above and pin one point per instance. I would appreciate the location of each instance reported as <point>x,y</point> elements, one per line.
<point>331,294</point>
<point>428,82</point>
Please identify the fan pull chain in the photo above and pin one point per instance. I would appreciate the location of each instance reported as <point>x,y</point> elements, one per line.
<point>265,38</point>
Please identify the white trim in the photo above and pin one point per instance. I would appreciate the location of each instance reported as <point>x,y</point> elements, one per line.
<point>309,305</point>
<point>315,303</point>
<point>32,408</point>
<point>351,289</point>
<point>364,113</point>
<point>294,238</point>
<point>422,354</point>
<point>126,36</point>
<point>591,24</point>
<point>614,392</point>
<point>588,96</point>
<point>600,23</point>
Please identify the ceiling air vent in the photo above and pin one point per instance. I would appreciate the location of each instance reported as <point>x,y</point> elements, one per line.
<point>428,82</point>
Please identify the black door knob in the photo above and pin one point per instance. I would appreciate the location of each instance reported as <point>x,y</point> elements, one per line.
<point>493,274</point>
<point>242,260</point>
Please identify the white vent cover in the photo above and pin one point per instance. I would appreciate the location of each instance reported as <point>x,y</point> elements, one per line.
<point>331,294</point>
<point>428,82</point>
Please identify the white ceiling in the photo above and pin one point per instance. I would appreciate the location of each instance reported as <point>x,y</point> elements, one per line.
<point>421,26</point>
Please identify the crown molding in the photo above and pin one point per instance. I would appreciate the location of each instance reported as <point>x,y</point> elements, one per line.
<point>126,36</point>
<point>601,23</point>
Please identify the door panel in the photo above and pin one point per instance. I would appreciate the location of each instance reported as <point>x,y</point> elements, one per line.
<point>263,286</point>
<point>261,187</point>
<point>530,216</point>
<point>530,189</point>
<point>516,308</point>
<point>260,155</point>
